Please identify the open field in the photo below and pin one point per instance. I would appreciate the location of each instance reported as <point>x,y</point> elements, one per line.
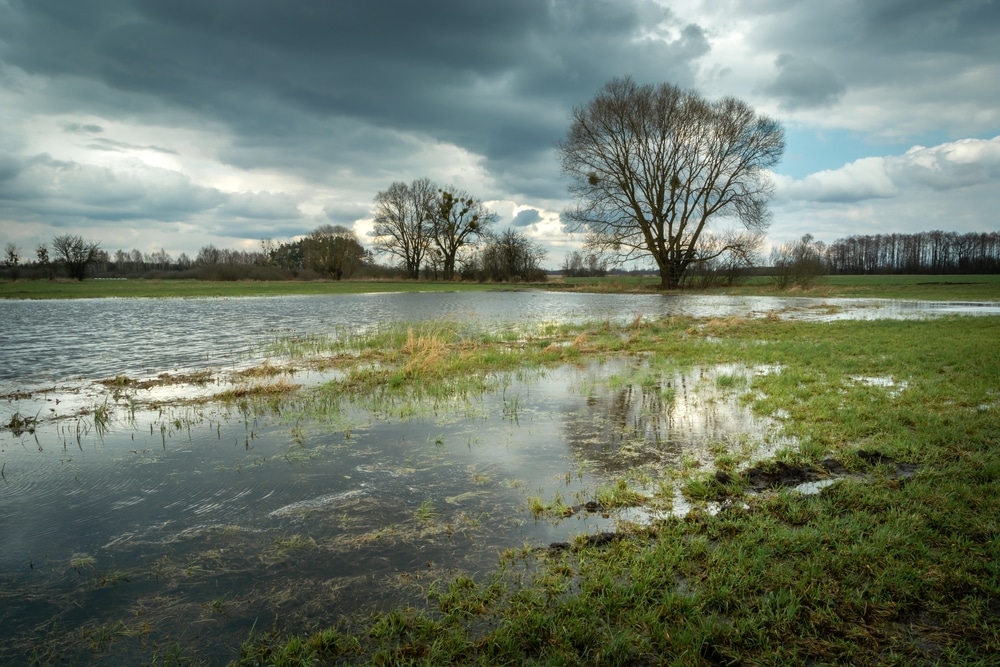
<point>893,560</point>
<point>934,288</point>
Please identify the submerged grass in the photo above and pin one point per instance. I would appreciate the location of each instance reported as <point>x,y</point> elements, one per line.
<point>879,568</point>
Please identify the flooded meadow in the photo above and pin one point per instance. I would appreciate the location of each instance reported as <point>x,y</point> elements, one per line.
<point>177,474</point>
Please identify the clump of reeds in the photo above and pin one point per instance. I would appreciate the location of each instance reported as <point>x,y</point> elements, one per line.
<point>264,390</point>
<point>425,351</point>
<point>20,424</point>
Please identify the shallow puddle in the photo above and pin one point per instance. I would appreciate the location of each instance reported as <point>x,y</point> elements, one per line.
<point>237,516</point>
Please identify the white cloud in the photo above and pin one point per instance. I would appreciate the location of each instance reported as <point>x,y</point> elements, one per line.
<point>953,165</point>
<point>948,166</point>
<point>866,178</point>
<point>951,186</point>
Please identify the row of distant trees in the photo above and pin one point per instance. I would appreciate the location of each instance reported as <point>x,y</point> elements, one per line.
<point>422,230</point>
<point>70,253</point>
<point>334,252</point>
<point>935,252</point>
<point>925,252</point>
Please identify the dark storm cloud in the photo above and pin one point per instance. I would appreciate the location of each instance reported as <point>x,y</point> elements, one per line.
<point>526,217</point>
<point>495,78</point>
<point>44,186</point>
<point>888,27</point>
<point>78,128</point>
<point>801,83</point>
<point>102,144</point>
<point>345,214</point>
<point>959,26</point>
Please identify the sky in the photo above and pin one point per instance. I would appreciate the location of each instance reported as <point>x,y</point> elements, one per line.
<point>175,124</point>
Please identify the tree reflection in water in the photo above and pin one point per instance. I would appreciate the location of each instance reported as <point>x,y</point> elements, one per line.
<point>636,413</point>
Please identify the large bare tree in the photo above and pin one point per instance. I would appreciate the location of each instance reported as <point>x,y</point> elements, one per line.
<point>76,253</point>
<point>402,216</point>
<point>459,220</point>
<point>651,166</point>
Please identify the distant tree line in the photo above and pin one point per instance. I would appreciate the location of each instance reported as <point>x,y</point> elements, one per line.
<point>421,229</point>
<point>936,252</point>
<point>578,265</point>
<point>920,253</point>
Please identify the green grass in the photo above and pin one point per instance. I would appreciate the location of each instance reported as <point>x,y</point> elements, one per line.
<point>907,287</point>
<point>924,287</point>
<point>877,569</point>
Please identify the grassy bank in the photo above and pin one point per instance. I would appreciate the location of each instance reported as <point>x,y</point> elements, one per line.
<point>897,562</point>
<point>929,288</point>
<point>938,288</point>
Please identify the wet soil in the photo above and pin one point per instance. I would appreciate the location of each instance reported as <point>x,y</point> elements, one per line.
<point>779,475</point>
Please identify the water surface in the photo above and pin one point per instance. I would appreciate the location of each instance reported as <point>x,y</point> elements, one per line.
<point>196,523</point>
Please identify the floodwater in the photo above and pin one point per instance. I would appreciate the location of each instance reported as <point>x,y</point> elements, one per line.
<point>195,523</point>
<point>53,341</point>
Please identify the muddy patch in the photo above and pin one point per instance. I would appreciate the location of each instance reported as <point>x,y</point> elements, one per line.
<point>781,475</point>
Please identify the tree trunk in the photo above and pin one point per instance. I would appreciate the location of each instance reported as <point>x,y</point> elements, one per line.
<point>670,277</point>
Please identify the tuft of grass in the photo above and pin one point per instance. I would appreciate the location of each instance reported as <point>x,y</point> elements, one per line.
<point>113,577</point>
<point>263,390</point>
<point>619,494</point>
<point>287,543</point>
<point>426,513</point>
<point>536,506</point>
<point>82,561</point>
<point>103,415</point>
<point>296,650</point>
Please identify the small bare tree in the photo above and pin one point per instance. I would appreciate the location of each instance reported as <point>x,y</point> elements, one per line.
<point>511,256</point>
<point>76,253</point>
<point>651,166</point>
<point>798,263</point>
<point>43,263</point>
<point>402,217</point>
<point>12,260</point>
<point>459,220</point>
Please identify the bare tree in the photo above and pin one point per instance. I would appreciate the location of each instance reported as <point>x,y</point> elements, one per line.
<point>798,263</point>
<point>459,220</point>
<point>12,260</point>
<point>578,265</point>
<point>652,165</point>
<point>333,250</point>
<point>208,255</point>
<point>42,253</point>
<point>76,253</point>
<point>511,256</point>
<point>402,216</point>
<point>714,265</point>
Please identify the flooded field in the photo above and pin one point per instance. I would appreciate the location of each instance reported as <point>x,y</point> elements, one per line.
<point>140,511</point>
